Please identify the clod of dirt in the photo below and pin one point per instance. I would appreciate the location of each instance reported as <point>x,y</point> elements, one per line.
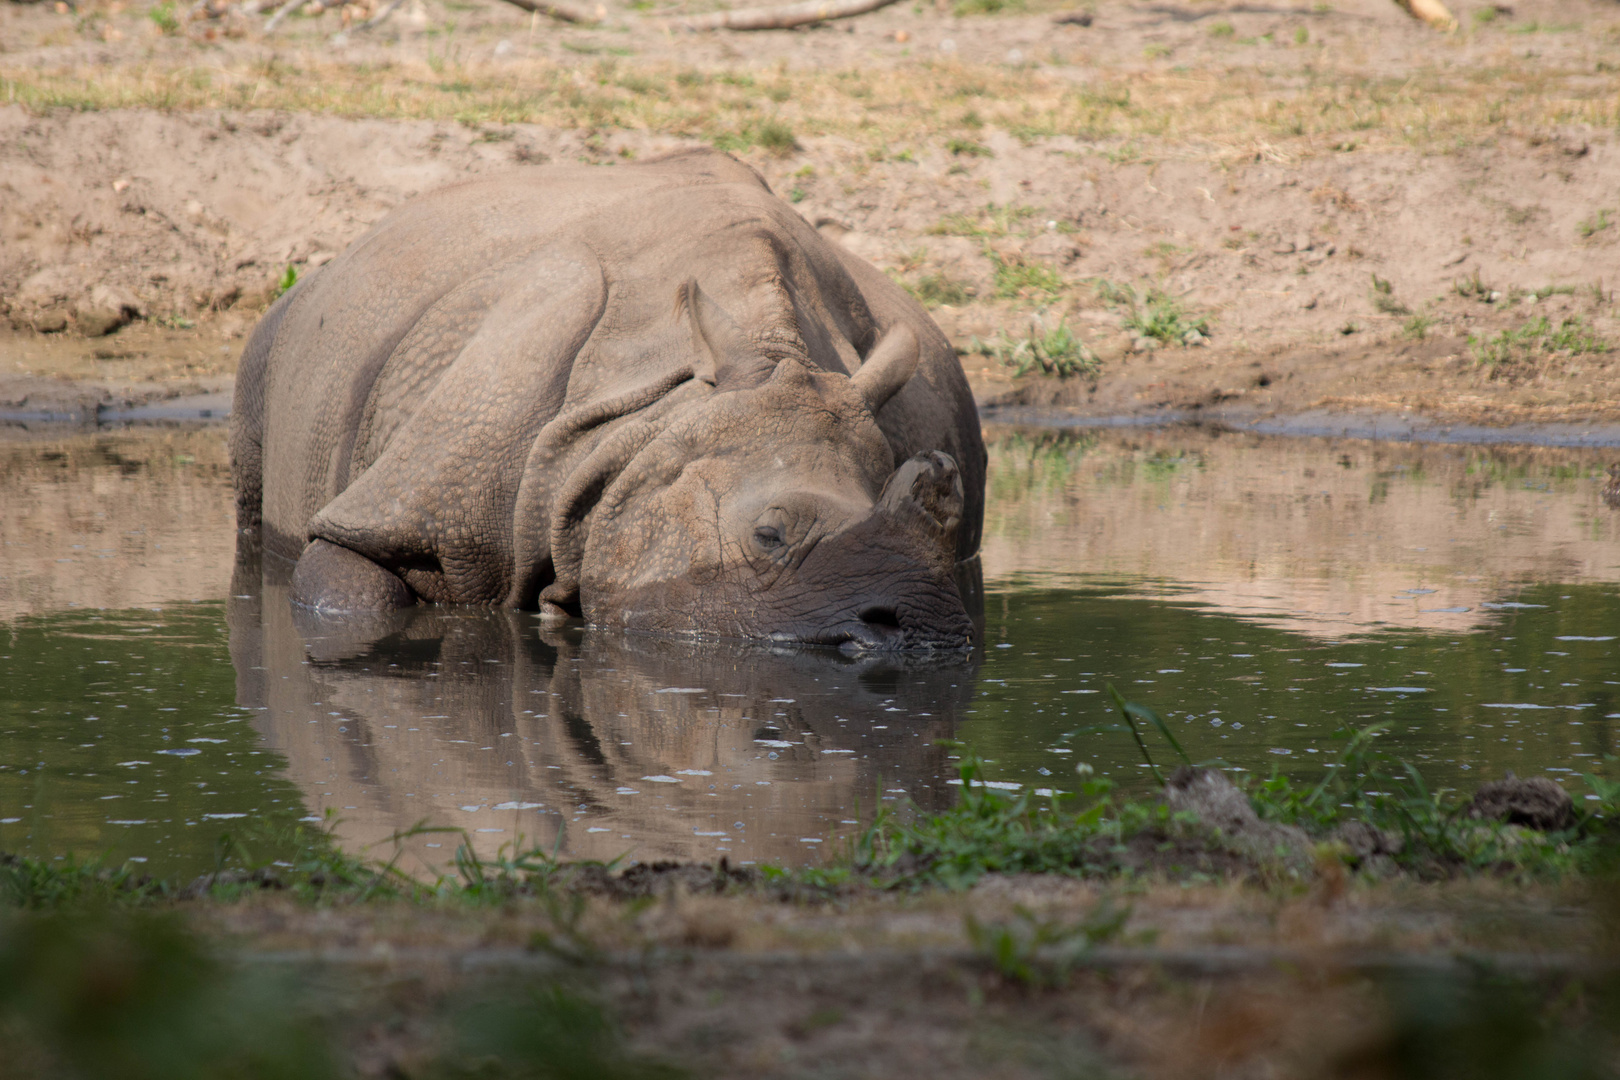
<point>1536,803</point>
<point>264,878</point>
<point>1369,848</point>
<point>657,878</point>
<point>1215,801</point>
<point>50,321</point>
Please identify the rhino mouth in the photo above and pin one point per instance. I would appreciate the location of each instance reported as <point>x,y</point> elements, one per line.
<point>879,628</point>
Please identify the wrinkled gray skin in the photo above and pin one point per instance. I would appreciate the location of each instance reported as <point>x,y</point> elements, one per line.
<point>650,395</point>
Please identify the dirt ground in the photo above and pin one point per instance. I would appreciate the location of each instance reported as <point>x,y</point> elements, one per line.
<point>1199,981</point>
<point>1367,215</point>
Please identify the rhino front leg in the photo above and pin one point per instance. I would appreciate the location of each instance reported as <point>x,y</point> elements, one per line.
<point>333,578</point>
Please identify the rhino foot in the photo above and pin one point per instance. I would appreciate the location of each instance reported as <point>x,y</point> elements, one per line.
<point>334,579</point>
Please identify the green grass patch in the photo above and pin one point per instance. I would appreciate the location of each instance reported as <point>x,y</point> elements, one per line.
<point>1058,352</point>
<point>1417,327</point>
<point>991,222</point>
<point>1535,339</point>
<point>1383,297</point>
<point>1599,222</point>
<point>164,18</point>
<point>1018,278</point>
<point>933,290</point>
<point>771,135</point>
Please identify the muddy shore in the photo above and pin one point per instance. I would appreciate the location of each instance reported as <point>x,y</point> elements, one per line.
<point>1364,218</point>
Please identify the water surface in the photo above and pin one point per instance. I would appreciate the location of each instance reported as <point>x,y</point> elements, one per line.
<point>1261,593</point>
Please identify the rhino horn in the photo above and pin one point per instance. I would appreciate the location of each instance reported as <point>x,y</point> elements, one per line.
<point>724,356</point>
<point>927,488</point>
<point>888,367</point>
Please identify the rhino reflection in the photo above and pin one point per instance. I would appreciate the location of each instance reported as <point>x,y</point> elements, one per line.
<point>597,743</point>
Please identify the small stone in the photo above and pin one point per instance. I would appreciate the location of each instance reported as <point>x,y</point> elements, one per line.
<point>1453,259</point>
<point>1363,841</point>
<point>1348,328</point>
<point>1285,247</point>
<point>1193,337</point>
<point>947,46</point>
<point>1310,302</point>
<point>96,321</point>
<point>902,36</point>
<point>51,321</point>
<point>1144,344</point>
<point>120,186</point>
<point>1302,243</point>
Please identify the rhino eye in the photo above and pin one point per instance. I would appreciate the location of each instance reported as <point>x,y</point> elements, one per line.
<point>768,537</point>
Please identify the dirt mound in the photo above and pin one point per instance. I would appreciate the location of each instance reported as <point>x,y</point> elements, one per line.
<point>1536,803</point>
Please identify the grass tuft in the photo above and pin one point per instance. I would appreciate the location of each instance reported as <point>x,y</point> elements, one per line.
<point>1018,278</point>
<point>1383,297</point>
<point>934,290</point>
<point>1158,316</point>
<point>968,148</point>
<point>1058,352</point>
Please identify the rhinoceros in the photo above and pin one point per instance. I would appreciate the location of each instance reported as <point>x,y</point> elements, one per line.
<point>648,395</point>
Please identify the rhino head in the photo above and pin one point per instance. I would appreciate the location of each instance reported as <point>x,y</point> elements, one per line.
<point>769,506</point>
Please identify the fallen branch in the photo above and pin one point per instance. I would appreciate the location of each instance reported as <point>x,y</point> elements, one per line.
<point>780,18</point>
<point>381,16</point>
<point>281,13</point>
<point>1433,12</point>
<point>557,9</point>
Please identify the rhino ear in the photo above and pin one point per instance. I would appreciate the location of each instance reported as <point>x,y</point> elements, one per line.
<point>891,363</point>
<point>722,354</point>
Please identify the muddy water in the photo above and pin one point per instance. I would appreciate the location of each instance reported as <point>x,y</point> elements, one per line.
<point>157,692</point>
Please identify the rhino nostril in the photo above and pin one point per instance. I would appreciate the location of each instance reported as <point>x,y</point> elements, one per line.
<point>881,616</point>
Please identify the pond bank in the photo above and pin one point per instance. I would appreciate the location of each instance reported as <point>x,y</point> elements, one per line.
<point>42,403</point>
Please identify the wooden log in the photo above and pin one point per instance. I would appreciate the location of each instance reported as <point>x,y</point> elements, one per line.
<point>782,17</point>
<point>381,16</point>
<point>281,13</point>
<point>561,9</point>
